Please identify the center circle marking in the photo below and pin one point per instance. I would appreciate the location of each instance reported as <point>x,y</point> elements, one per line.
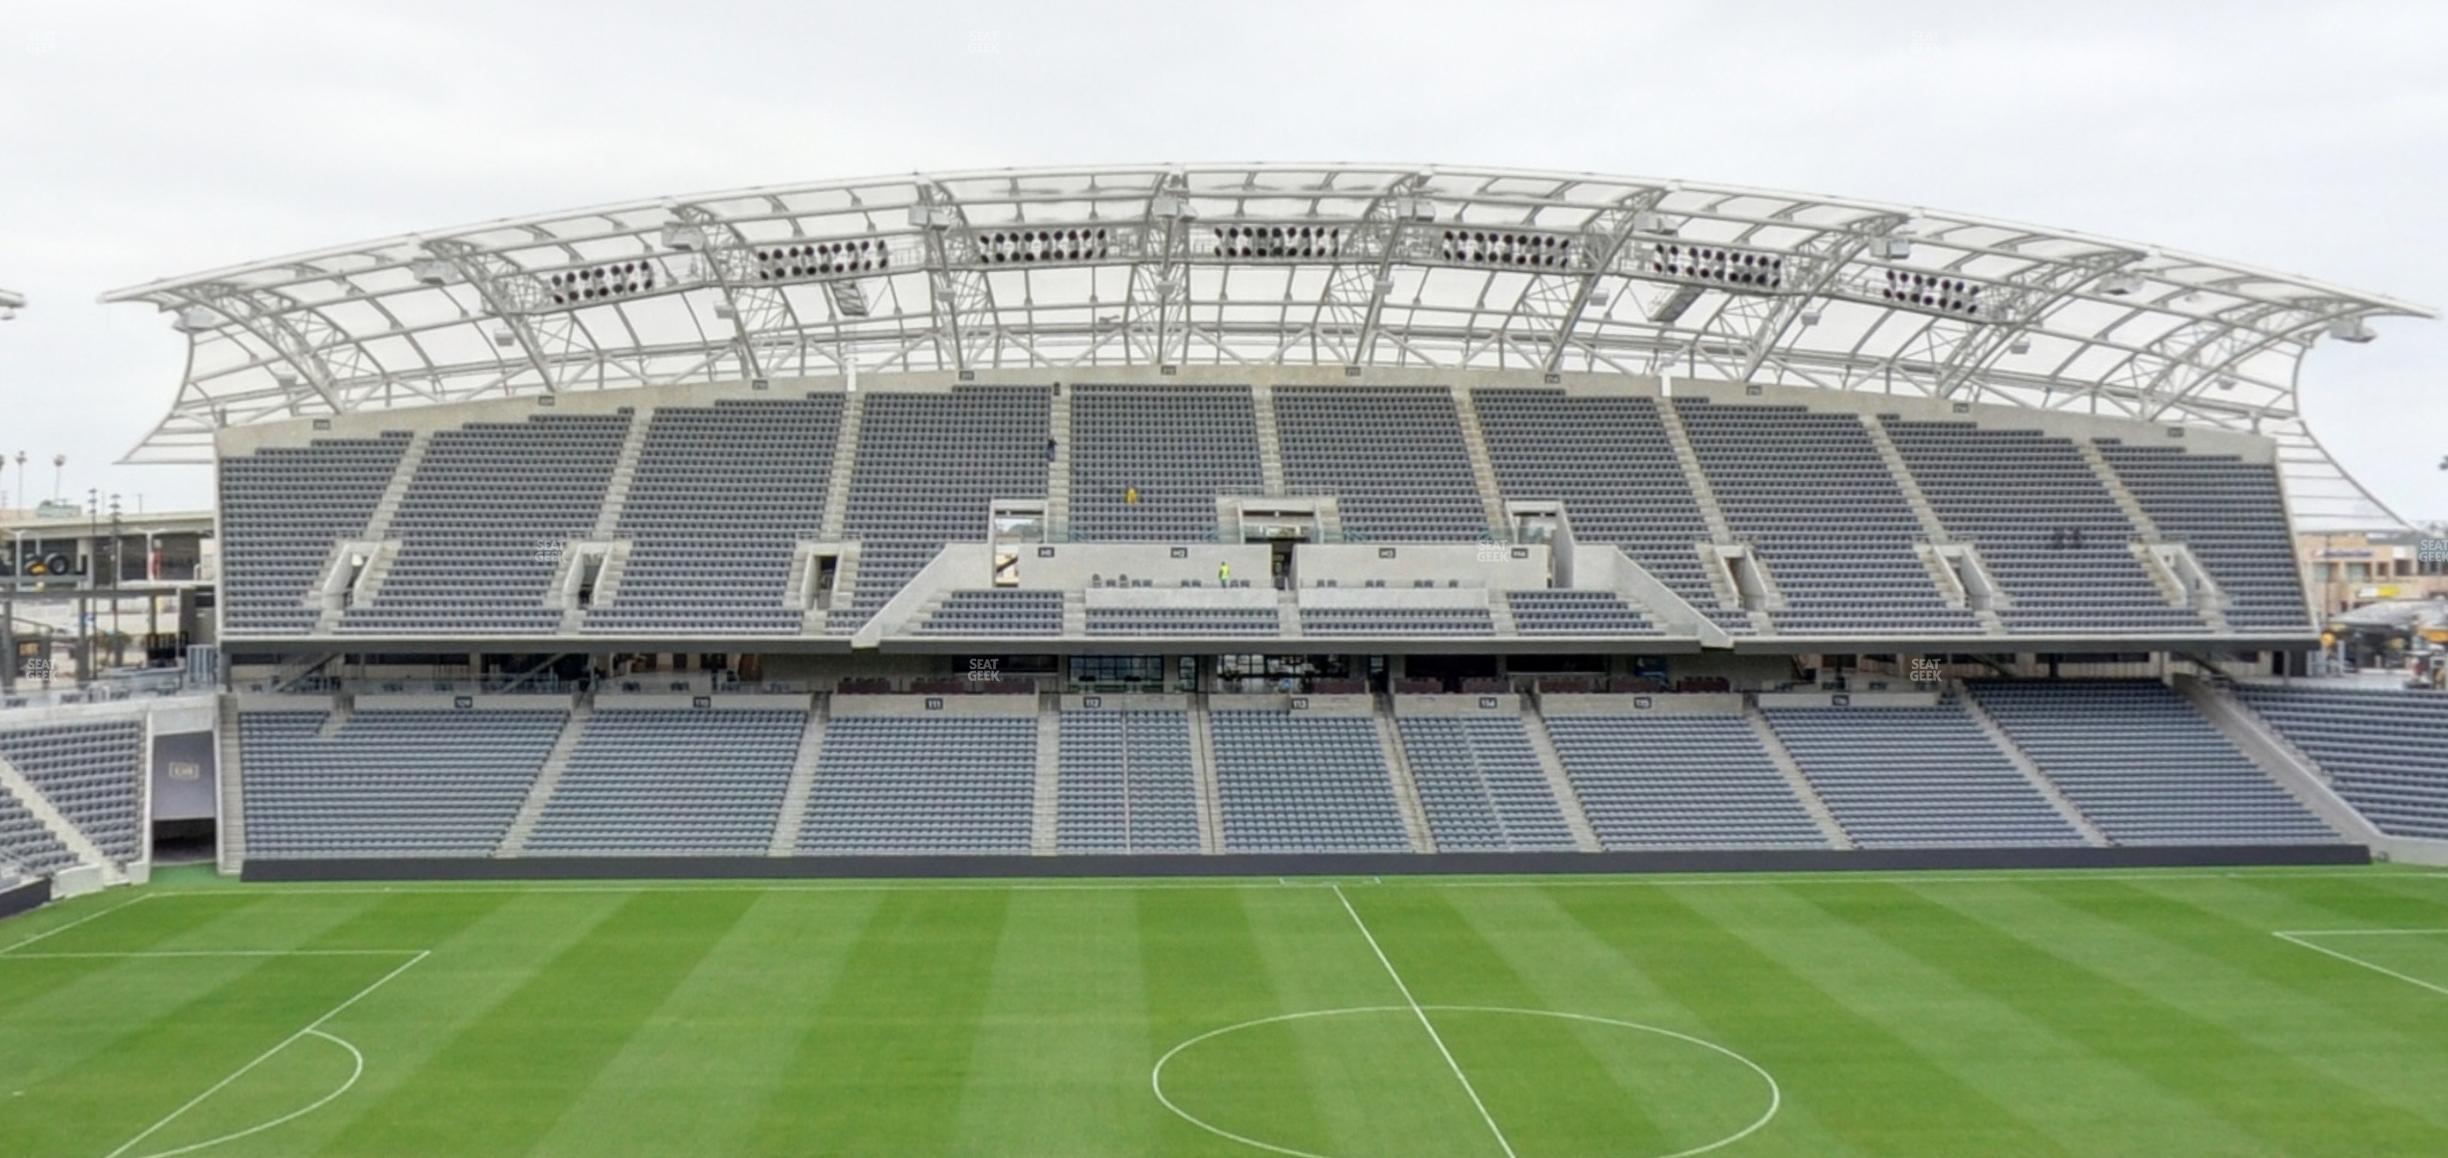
<point>1776,1094</point>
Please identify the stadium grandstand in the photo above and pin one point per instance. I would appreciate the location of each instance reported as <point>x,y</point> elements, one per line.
<point>1585,633</point>
<point>1246,518</point>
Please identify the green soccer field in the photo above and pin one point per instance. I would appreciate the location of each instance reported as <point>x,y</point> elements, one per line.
<point>1945,1015</point>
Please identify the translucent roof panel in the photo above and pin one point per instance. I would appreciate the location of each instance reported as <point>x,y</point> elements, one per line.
<point>1354,265</point>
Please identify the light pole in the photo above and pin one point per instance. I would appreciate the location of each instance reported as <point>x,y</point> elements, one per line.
<point>118,642</point>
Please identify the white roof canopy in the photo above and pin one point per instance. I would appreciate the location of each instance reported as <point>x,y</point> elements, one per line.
<point>1355,265</point>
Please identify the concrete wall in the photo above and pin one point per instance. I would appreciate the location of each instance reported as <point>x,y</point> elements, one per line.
<point>614,702</point>
<point>1070,566</point>
<point>1583,704</point>
<point>1470,564</point>
<point>1499,704</point>
<point>438,702</point>
<point>954,705</point>
<point>1268,866</point>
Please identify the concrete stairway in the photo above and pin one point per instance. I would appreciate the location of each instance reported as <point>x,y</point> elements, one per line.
<point>1794,779</point>
<point>547,781</point>
<point>1702,492</point>
<point>845,460</point>
<point>1046,802</point>
<point>2143,525</point>
<point>230,826</point>
<point>624,472</point>
<point>1559,782</point>
<point>1932,530</point>
<point>1202,772</point>
<point>1406,788</point>
<point>1270,447</point>
<point>803,779</point>
<point>14,783</point>
<point>2293,770</point>
<point>1058,472</point>
<point>1483,468</point>
<point>2022,761</point>
<point>378,526</point>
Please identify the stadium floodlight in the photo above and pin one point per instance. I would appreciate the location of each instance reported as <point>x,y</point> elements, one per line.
<point>2121,284</point>
<point>1651,222</point>
<point>2020,345</point>
<point>1895,248</point>
<point>431,270</point>
<point>1413,207</point>
<point>1599,296</point>
<point>1385,285</point>
<point>726,311</point>
<point>928,215</point>
<point>683,235</point>
<point>2226,382</point>
<point>2354,330</point>
<point>195,320</point>
<point>1810,315</point>
<point>505,337</point>
<point>10,303</point>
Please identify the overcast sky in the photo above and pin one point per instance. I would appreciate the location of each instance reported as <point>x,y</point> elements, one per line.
<point>141,140</point>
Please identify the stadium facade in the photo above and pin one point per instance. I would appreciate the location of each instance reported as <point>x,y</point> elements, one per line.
<point>1260,517</point>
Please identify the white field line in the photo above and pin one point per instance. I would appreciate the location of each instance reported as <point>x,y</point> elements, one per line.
<point>1596,880</point>
<point>314,1027</point>
<point>57,930</point>
<point>1426,1024</point>
<point>140,954</point>
<point>2304,939</point>
<point>291,1116</point>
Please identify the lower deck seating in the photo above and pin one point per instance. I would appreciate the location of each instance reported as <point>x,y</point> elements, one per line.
<point>1127,784</point>
<point>26,846</point>
<point>1300,783</point>
<point>921,784</point>
<point>1560,611</point>
<point>2386,752</point>
<point>1396,621</point>
<point>1680,781</point>
<point>1917,777</point>
<point>672,782</point>
<point>413,783</point>
<point>1481,785</point>
<point>997,612</point>
<point>1183,621</point>
<point>2144,766</point>
<point>93,773</point>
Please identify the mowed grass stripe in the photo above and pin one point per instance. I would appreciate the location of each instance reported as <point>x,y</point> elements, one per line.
<point>1382,1086</point>
<point>126,1041</point>
<point>1556,1087</point>
<point>485,950</point>
<point>1200,969</point>
<point>2354,1029</point>
<point>879,1067</point>
<point>1866,1086</point>
<point>304,1070</point>
<point>1572,969</point>
<point>1852,944</point>
<point>2108,966</point>
<point>1058,1067</point>
<point>503,1080</point>
<point>2113,1064</point>
<point>696,1073</point>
